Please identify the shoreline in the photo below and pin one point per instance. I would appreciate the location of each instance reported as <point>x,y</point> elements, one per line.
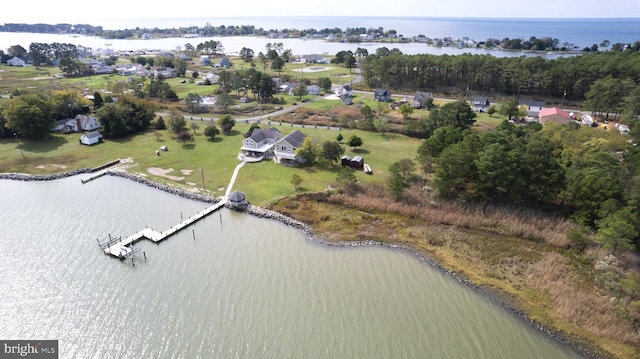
<point>265,213</point>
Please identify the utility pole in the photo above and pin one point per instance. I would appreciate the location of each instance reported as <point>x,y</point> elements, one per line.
<point>202,172</point>
<point>563,95</point>
<point>19,144</point>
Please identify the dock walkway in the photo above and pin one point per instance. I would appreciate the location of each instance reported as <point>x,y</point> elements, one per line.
<point>121,248</point>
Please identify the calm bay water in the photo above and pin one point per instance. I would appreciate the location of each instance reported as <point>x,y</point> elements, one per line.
<point>243,288</point>
<point>581,32</point>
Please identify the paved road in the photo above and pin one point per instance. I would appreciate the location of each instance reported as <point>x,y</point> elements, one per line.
<point>266,116</point>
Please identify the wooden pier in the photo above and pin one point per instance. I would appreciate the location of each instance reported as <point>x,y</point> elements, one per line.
<point>121,248</point>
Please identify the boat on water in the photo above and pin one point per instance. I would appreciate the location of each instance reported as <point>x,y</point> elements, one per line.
<point>367,169</point>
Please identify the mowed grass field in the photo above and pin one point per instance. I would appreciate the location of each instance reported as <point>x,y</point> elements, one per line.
<point>262,182</point>
<point>217,158</point>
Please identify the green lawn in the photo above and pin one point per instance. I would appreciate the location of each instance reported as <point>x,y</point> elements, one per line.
<point>262,182</point>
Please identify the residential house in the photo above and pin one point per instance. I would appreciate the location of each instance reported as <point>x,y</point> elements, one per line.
<point>313,90</point>
<point>343,90</point>
<point>383,95</point>
<point>145,36</point>
<point>164,54</point>
<point>421,98</point>
<point>164,72</point>
<point>102,69</point>
<point>285,148</point>
<point>293,87</point>
<point>331,37</point>
<point>91,138</point>
<point>16,61</point>
<point>313,59</point>
<point>184,57</point>
<point>346,100</point>
<point>87,123</point>
<point>277,82</point>
<point>366,37</point>
<point>213,78</point>
<point>224,63</point>
<point>533,107</point>
<point>481,104</point>
<point>205,60</point>
<point>285,87</point>
<point>260,143</point>
<point>554,114</point>
<point>67,125</point>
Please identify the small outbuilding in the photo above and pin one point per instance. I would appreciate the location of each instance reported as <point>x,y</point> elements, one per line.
<point>357,163</point>
<point>345,160</point>
<point>91,138</point>
<point>238,201</point>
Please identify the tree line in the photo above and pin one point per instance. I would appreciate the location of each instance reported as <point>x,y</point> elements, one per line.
<point>468,75</point>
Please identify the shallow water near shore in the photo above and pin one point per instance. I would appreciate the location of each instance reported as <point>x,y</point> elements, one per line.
<point>230,286</point>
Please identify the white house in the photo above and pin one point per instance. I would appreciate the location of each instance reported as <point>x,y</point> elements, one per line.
<point>205,60</point>
<point>67,125</point>
<point>533,107</point>
<point>91,138</point>
<point>87,123</point>
<point>260,143</point>
<point>313,59</point>
<point>313,90</point>
<point>16,61</point>
<point>285,148</point>
<point>344,90</point>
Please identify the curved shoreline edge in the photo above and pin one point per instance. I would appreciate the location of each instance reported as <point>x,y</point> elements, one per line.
<point>259,212</point>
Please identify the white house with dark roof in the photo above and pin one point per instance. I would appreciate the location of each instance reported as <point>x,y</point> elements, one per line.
<point>260,143</point>
<point>421,98</point>
<point>533,107</point>
<point>87,123</point>
<point>91,138</point>
<point>481,104</point>
<point>67,125</point>
<point>345,90</point>
<point>313,59</point>
<point>285,148</point>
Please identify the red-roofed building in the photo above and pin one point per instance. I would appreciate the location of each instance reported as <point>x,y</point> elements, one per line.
<point>554,114</point>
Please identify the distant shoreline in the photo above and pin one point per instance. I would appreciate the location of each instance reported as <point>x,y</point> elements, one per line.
<point>576,32</point>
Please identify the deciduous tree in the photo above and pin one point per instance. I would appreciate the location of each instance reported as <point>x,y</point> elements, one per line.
<point>296,180</point>
<point>226,123</point>
<point>177,123</point>
<point>354,141</point>
<point>331,151</point>
<point>211,131</point>
<point>30,116</point>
